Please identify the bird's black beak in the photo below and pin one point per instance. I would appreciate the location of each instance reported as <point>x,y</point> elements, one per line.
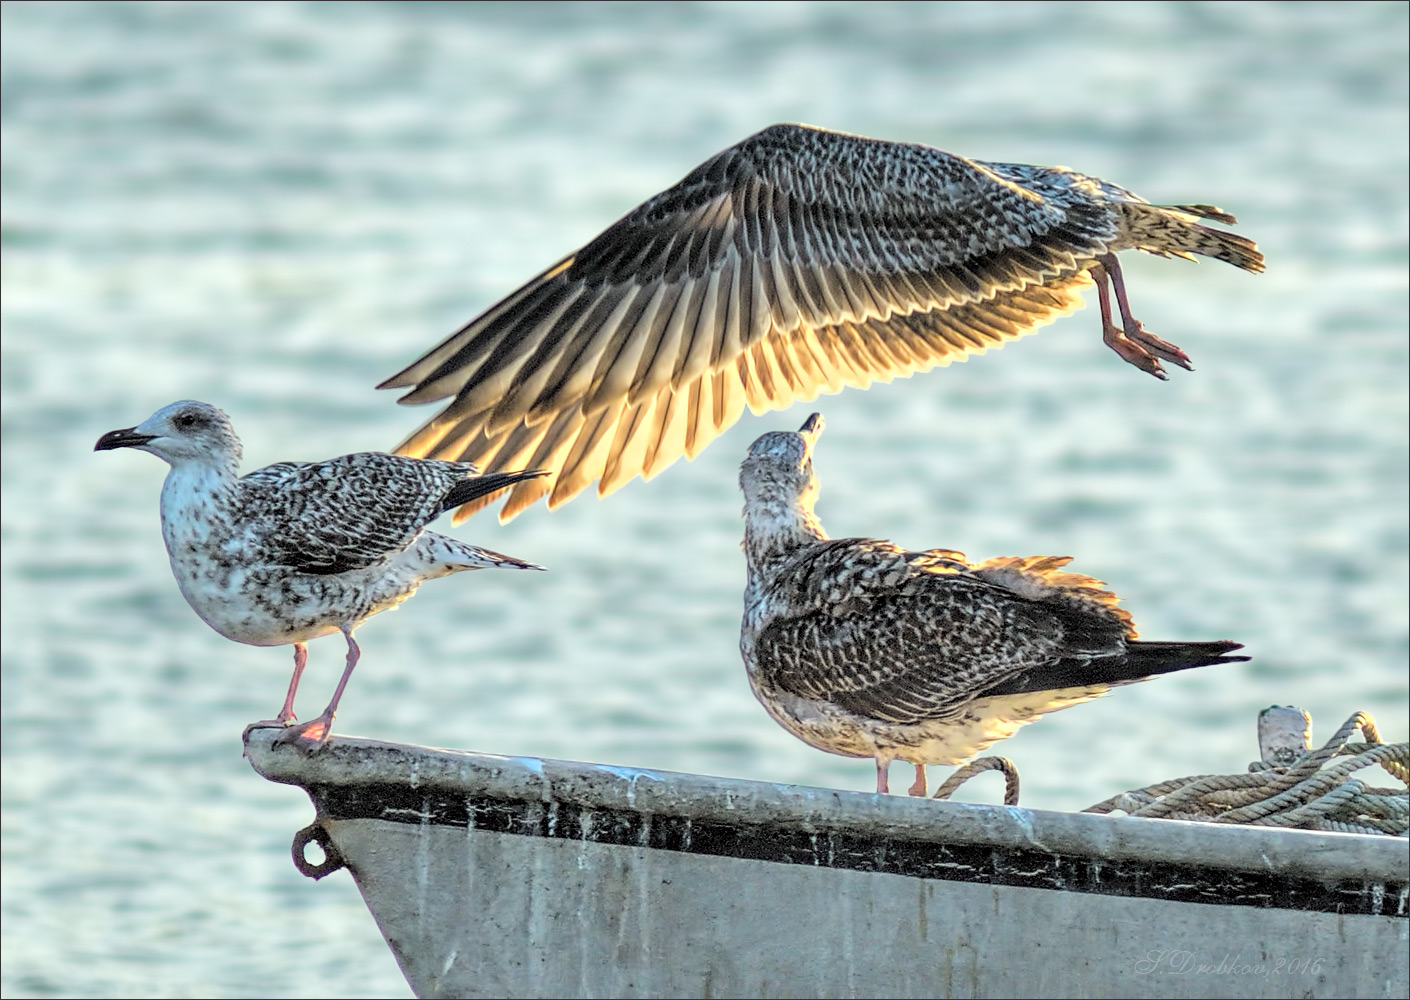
<point>812,427</point>
<point>127,437</point>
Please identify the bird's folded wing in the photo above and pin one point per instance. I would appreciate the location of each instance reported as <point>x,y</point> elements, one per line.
<point>901,658</point>
<point>925,647</point>
<point>796,262</point>
<point>346,513</point>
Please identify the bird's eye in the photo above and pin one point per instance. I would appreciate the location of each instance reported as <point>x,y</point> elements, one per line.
<point>186,421</point>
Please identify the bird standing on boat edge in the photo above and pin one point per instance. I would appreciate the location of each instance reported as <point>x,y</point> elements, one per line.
<point>799,261</point>
<point>299,550</point>
<point>864,649</point>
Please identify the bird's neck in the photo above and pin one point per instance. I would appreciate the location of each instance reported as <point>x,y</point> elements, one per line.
<point>774,531</point>
<point>195,497</point>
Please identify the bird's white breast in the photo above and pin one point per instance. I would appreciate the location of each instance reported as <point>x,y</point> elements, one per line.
<point>228,580</point>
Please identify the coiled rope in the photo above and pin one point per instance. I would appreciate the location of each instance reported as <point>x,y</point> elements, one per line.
<point>1292,786</point>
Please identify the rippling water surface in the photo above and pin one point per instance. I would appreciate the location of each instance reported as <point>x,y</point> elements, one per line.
<point>273,206</point>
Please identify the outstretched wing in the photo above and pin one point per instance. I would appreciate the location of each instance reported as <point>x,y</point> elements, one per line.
<point>797,262</point>
<point>924,647</point>
<point>350,512</point>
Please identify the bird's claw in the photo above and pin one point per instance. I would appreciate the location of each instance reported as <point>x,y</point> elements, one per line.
<point>1152,344</point>
<point>1133,353</point>
<point>263,724</point>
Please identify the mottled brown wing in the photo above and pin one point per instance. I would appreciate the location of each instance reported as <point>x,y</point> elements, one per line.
<point>797,262</point>
<point>924,648</point>
<point>346,513</point>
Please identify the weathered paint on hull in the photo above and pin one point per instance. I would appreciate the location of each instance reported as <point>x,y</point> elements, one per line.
<point>515,877</point>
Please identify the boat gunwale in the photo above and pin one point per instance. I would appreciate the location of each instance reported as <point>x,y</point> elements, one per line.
<point>348,763</point>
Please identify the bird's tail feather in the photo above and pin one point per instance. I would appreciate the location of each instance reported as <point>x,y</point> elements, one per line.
<point>1204,212</point>
<point>1146,659</point>
<point>1142,660</point>
<point>487,558</point>
<point>1193,238</point>
<point>485,486</point>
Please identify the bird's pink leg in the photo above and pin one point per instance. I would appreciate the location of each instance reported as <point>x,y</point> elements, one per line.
<point>918,788</point>
<point>883,764</point>
<point>319,729</point>
<point>1148,344</point>
<point>286,714</point>
<point>1129,351</point>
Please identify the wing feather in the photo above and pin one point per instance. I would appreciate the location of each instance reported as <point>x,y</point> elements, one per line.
<point>475,338</point>
<point>699,332</point>
<point>350,512</point>
<point>795,262</point>
<point>588,455</point>
<point>627,455</point>
<point>621,354</point>
<point>658,360</point>
<point>670,437</point>
<point>574,367</point>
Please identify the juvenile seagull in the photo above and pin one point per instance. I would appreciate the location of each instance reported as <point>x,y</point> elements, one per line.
<point>797,262</point>
<point>299,550</point>
<point>861,648</point>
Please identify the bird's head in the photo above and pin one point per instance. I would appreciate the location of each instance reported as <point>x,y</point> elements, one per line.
<point>778,471</point>
<point>178,433</point>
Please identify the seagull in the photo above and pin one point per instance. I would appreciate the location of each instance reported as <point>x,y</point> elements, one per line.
<point>299,550</point>
<point>797,262</point>
<point>862,648</point>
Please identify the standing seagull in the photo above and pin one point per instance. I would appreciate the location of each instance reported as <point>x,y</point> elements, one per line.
<point>299,550</point>
<point>797,262</point>
<point>861,648</point>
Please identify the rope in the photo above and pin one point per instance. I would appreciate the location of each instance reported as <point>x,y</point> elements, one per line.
<point>979,766</point>
<point>1314,792</point>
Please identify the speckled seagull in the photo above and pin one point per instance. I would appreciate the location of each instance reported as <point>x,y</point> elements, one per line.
<point>797,262</point>
<point>861,648</point>
<point>299,550</point>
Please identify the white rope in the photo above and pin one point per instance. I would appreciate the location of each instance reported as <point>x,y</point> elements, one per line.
<point>1314,791</point>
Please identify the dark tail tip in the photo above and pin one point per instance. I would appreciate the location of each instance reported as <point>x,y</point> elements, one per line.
<point>1166,657</point>
<point>1217,647</point>
<point>475,487</point>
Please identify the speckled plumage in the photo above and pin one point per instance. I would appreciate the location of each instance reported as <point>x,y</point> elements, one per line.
<point>796,262</point>
<point>299,550</point>
<point>862,648</point>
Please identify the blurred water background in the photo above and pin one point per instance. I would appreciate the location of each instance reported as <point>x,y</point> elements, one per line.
<point>273,206</point>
